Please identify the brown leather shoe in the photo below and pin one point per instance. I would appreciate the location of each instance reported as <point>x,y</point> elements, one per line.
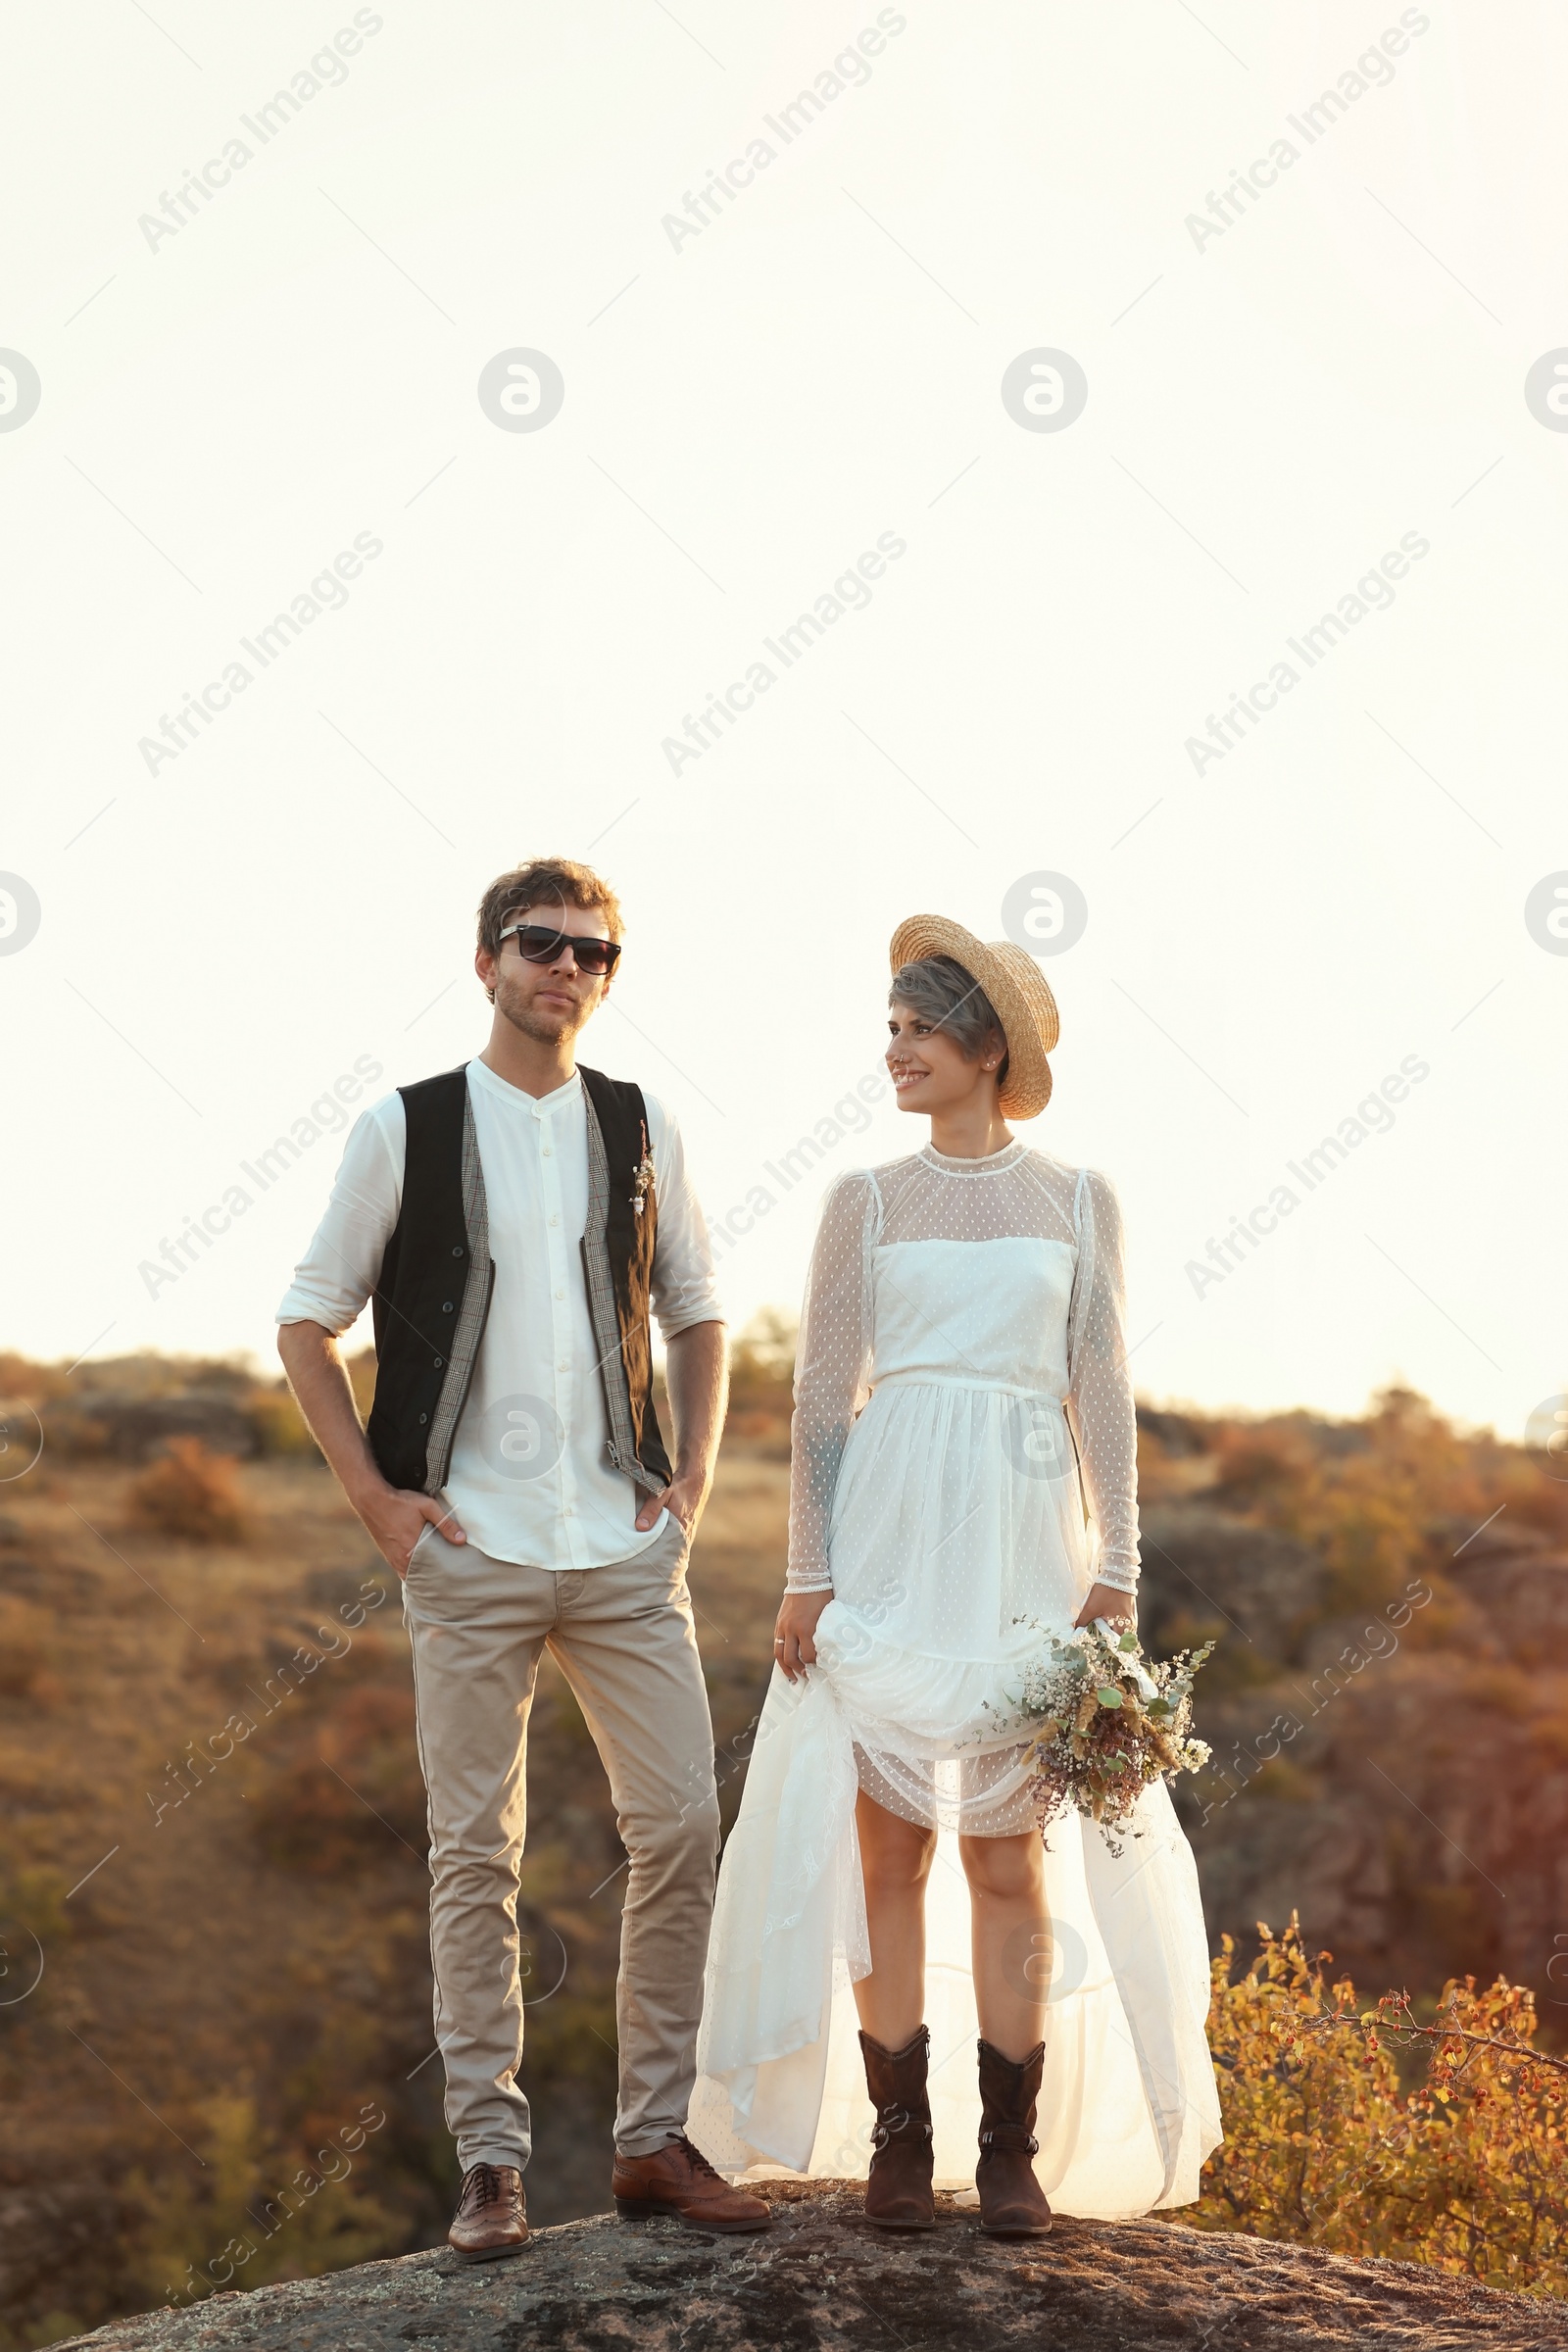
<point>490,2220</point>
<point>1013,2203</point>
<point>678,2180</point>
<point>898,2193</point>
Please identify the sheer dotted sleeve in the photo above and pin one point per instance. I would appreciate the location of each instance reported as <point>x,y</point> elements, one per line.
<point>832,1359</point>
<point>1099,1396</point>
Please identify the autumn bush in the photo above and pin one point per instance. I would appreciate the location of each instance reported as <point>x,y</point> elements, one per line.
<point>191,1492</point>
<point>279,1425</point>
<point>25,1653</point>
<point>1365,1495</point>
<point>347,1787</point>
<point>265,2210</point>
<point>1465,2170</point>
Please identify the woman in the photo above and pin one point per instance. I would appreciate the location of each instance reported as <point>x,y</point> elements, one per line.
<point>962,1395</point>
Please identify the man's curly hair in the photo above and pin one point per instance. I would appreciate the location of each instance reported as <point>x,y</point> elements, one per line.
<point>546,882</point>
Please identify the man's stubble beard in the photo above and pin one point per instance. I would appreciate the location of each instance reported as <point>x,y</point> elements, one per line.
<point>545,1028</point>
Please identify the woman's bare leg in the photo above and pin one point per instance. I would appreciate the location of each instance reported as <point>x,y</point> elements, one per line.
<point>1011,1938</point>
<point>896,1857</point>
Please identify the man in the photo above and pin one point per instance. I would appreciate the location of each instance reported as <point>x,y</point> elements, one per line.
<point>513,1220</point>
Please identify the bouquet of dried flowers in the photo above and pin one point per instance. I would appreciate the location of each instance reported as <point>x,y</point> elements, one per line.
<point>1107,1723</point>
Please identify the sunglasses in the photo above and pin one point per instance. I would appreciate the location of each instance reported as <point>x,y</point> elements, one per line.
<point>537,943</point>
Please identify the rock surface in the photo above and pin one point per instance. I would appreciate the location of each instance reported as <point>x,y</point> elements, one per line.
<point>822,2278</point>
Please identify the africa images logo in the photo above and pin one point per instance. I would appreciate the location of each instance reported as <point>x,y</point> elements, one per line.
<point>1044,390</point>
<point>20,914</point>
<point>1545,390</point>
<point>19,390</point>
<point>522,390</point>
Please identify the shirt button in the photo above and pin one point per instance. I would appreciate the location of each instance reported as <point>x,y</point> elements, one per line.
<point>561,1294</point>
<point>545,1154</point>
<point>555,1220</point>
<point>565,1364</point>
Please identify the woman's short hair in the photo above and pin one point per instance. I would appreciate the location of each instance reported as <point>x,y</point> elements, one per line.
<point>951,1000</point>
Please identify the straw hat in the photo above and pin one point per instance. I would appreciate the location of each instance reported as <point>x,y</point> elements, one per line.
<point>1018,992</point>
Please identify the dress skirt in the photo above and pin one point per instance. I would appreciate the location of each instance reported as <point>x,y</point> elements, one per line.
<point>1128,2109</point>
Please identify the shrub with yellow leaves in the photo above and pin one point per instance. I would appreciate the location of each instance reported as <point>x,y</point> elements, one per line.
<point>1467,2171</point>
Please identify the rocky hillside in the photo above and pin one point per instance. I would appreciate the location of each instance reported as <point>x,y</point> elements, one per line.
<point>1388,1702</point>
<point>821,2276</point>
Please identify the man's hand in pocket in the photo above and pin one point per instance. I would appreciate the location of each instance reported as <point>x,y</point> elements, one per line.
<point>397,1517</point>
<point>682,1498</point>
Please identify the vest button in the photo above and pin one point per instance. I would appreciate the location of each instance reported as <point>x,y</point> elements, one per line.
<point>439,1361</point>
<point>457,1252</point>
<point>424,1418</point>
<point>447,1310</point>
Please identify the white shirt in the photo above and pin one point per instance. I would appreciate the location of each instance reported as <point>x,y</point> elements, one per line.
<point>531,1480</point>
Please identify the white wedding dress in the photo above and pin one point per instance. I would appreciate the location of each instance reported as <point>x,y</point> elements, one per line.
<point>961,1395</point>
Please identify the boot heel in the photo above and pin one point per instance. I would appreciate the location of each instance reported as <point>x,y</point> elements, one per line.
<point>638,2209</point>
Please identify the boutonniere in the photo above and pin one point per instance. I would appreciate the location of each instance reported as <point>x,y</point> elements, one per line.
<point>644,1176</point>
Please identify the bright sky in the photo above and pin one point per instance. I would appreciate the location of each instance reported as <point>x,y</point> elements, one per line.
<point>1325,370</point>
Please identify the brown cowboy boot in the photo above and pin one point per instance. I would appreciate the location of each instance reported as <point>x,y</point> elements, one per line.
<point>898,2195</point>
<point>1013,2203</point>
<point>490,2220</point>
<point>678,2181</point>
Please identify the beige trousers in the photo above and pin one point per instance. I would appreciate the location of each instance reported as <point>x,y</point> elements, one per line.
<point>622,1636</point>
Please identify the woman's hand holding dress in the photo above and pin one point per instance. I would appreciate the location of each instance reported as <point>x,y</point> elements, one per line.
<point>794,1634</point>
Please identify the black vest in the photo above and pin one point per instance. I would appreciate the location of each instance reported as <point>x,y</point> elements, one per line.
<point>432,1296</point>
